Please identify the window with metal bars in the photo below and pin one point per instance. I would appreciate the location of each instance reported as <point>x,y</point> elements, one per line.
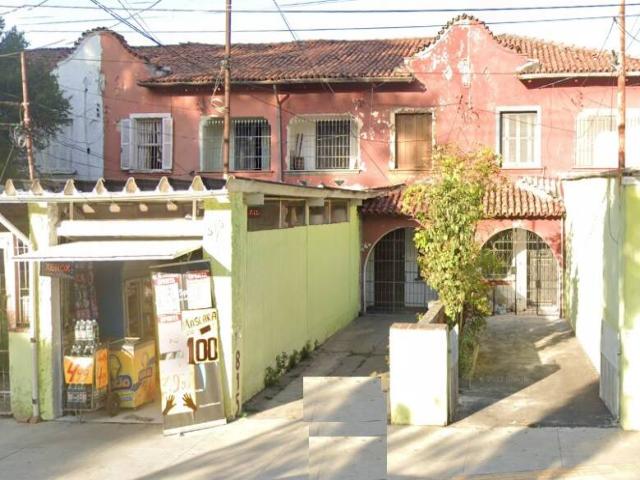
<point>23,307</point>
<point>597,139</point>
<point>518,138</point>
<point>250,144</point>
<point>325,143</point>
<point>501,245</point>
<point>148,143</point>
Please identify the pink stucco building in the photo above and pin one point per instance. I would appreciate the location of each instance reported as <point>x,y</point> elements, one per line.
<point>367,114</point>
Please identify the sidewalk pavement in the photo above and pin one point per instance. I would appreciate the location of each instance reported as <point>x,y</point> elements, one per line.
<point>253,448</point>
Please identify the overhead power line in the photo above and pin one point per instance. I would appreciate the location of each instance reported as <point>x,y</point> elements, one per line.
<point>331,11</point>
<point>337,29</point>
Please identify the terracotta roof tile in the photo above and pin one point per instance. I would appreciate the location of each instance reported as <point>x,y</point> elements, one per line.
<point>305,60</point>
<point>528,197</point>
<point>309,60</point>
<point>552,57</point>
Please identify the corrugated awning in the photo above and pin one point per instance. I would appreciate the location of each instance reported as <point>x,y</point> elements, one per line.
<point>110,251</point>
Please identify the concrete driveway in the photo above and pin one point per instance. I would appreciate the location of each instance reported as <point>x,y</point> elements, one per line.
<point>531,371</point>
<point>361,349</point>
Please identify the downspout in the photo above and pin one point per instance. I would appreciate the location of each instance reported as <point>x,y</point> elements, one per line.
<point>33,327</point>
<point>279,133</point>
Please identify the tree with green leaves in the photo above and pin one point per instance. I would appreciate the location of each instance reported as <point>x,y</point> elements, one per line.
<point>448,209</point>
<point>48,106</point>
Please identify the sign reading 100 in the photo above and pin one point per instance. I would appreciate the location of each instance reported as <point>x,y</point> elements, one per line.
<point>202,350</point>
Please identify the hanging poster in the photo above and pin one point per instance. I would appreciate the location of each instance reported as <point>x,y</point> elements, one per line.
<point>189,346</point>
<point>198,287</point>
<point>167,293</point>
<point>169,333</point>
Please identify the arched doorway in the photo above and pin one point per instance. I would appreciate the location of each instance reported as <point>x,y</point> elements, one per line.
<point>526,277</point>
<point>392,277</point>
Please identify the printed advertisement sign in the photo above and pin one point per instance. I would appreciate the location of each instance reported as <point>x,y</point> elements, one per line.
<point>188,340</point>
<point>57,269</point>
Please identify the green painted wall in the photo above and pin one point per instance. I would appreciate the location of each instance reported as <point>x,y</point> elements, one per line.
<point>217,247</point>
<point>592,234</point>
<point>630,318</point>
<point>20,374</point>
<point>41,227</point>
<point>299,284</point>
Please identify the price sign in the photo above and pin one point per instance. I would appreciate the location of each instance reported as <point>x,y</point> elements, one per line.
<point>202,328</point>
<point>78,370</point>
<point>102,368</point>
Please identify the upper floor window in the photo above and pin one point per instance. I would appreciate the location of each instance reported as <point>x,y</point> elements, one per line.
<point>250,144</point>
<point>146,142</point>
<point>597,138</point>
<point>413,140</point>
<point>323,143</point>
<point>519,137</point>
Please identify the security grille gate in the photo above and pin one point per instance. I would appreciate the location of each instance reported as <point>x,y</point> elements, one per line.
<point>541,273</point>
<point>5,388</point>
<point>393,281</point>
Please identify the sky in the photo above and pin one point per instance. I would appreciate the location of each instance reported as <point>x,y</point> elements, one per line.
<point>47,25</point>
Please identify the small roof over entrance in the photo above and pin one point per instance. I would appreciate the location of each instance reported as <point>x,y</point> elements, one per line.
<point>116,250</point>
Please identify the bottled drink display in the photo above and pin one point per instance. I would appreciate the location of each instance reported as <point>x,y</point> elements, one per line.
<point>86,341</point>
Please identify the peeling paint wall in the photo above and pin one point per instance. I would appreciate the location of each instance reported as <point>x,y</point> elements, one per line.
<point>463,79</point>
<point>77,150</point>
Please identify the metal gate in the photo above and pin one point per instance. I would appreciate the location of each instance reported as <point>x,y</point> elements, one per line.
<point>393,281</point>
<point>542,281</point>
<point>542,275</point>
<point>5,386</point>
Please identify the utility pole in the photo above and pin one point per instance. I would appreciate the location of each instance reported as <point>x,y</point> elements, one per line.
<point>27,116</point>
<point>622,101</point>
<point>226,132</point>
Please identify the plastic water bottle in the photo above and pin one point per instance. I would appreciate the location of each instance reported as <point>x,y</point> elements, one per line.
<point>96,331</point>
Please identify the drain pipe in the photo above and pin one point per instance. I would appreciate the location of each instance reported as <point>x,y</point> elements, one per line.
<point>33,327</point>
<point>279,132</point>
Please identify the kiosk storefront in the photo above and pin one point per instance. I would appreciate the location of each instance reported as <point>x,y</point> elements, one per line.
<point>168,301</point>
<point>139,331</point>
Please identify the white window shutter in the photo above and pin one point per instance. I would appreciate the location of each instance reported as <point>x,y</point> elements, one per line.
<point>167,143</point>
<point>125,144</point>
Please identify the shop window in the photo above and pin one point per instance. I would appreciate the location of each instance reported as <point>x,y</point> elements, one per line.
<point>264,217</point>
<point>339,211</point>
<point>276,214</point>
<point>413,141</point>
<point>320,215</point>
<point>292,213</point>
<point>250,144</point>
<point>324,143</point>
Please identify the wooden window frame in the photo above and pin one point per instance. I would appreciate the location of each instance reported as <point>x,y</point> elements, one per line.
<point>537,133</point>
<point>393,164</point>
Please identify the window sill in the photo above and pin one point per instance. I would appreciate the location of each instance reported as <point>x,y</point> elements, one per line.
<point>147,171</point>
<point>220,172</point>
<point>511,166</point>
<point>410,170</point>
<point>323,172</point>
<point>593,167</point>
